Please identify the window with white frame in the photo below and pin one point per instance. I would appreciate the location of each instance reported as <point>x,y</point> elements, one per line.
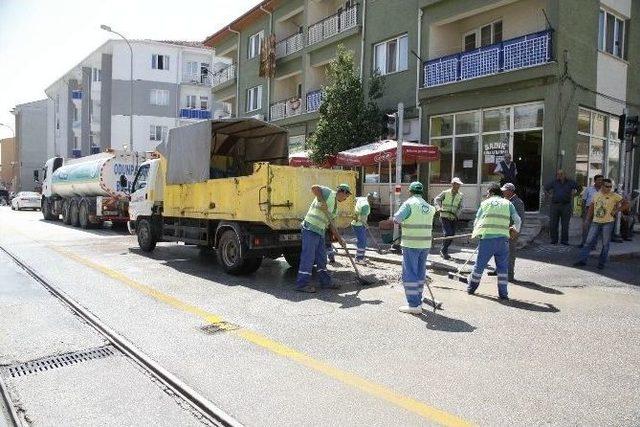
<point>159,97</point>
<point>160,62</point>
<point>254,98</point>
<point>597,146</point>
<point>191,102</point>
<point>612,33</point>
<point>158,133</point>
<point>392,55</point>
<point>255,44</point>
<point>482,36</point>
<point>96,74</point>
<point>204,102</point>
<point>191,71</point>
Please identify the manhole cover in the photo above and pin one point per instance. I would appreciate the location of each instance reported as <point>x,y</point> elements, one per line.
<point>58,361</point>
<point>218,327</point>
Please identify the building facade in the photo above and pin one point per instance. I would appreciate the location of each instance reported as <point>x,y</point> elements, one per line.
<point>543,79</point>
<point>8,163</point>
<point>91,104</point>
<point>30,143</point>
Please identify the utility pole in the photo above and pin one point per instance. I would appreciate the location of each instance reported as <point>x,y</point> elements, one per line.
<point>398,189</point>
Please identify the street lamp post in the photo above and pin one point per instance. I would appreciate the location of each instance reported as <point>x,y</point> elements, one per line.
<point>108,28</point>
<point>10,128</point>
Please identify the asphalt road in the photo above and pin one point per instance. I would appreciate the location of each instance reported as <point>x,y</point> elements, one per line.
<point>562,351</point>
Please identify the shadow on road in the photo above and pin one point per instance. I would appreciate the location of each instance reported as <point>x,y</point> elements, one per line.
<point>274,277</point>
<point>438,322</point>
<point>537,287</point>
<point>520,304</point>
<point>102,230</point>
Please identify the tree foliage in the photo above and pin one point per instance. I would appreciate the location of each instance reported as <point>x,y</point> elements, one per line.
<point>348,119</point>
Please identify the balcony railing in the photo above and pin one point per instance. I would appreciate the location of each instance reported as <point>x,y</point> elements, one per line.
<point>332,25</point>
<point>289,45</point>
<point>199,79</point>
<point>193,113</point>
<point>314,100</point>
<point>286,108</point>
<point>76,94</point>
<point>224,75</point>
<point>521,52</point>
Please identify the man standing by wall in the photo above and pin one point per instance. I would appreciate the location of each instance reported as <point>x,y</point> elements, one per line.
<point>587,197</point>
<point>492,226</point>
<point>449,203</point>
<point>507,169</point>
<point>416,218</point>
<point>602,210</point>
<point>562,190</point>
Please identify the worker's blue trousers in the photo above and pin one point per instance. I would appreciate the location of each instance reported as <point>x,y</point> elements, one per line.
<point>313,252</point>
<point>331,253</point>
<point>414,274</point>
<point>361,244</point>
<point>497,247</point>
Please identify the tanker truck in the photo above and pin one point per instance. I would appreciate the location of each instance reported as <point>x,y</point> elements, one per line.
<point>89,190</point>
<point>225,186</point>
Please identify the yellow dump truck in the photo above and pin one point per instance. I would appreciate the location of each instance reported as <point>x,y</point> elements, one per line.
<point>225,185</point>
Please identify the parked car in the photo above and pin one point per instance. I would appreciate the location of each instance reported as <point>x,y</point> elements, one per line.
<point>26,200</point>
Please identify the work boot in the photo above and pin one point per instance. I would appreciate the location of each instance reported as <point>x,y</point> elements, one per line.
<point>410,310</point>
<point>492,273</point>
<point>309,289</point>
<point>445,255</point>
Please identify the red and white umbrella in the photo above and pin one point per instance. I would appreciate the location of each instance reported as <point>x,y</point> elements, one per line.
<point>385,151</point>
<point>302,159</point>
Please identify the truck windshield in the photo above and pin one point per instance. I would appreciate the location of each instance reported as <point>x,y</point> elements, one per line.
<point>141,178</point>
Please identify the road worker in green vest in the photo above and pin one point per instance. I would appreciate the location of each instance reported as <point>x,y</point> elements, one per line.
<point>314,227</point>
<point>359,225</point>
<point>449,203</point>
<point>492,226</point>
<point>415,216</point>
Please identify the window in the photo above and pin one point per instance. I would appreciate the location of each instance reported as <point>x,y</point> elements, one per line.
<point>254,98</point>
<point>392,55</point>
<point>611,34</point>
<point>597,146</point>
<point>191,71</point>
<point>255,44</point>
<point>159,97</point>
<point>160,62</point>
<point>204,72</point>
<point>141,179</point>
<point>96,74</point>
<point>191,101</point>
<point>483,36</point>
<point>204,102</point>
<point>158,133</point>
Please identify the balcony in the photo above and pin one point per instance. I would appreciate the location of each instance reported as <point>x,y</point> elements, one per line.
<point>224,75</point>
<point>521,52</point>
<point>195,114</point>
<point>76,94</point>
<point>197,79</point>
<point>289,45</point>
<point>314,100</point>
<point>286,108</point>
<point>332,25</point>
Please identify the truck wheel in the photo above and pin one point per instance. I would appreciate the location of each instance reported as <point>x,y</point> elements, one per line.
<point>293,259</point>
<point>251,265</point>
<point>74,216</point>
<point>83,216</point>
<point>229,254</point>
<point>146,239</point>
<point>66,212</point>
<point>46,210</point>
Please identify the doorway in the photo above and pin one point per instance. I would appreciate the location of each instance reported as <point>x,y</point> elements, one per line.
<point>527,154</point>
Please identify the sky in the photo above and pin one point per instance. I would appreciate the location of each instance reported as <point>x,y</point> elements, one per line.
<point>40,40</point>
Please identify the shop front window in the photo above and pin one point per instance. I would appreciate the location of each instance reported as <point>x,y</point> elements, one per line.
<point>372,174</point>
<point>466,159</point>
<point>597,147</point>
<point>528,116</point>
<point>409,172</point>
<point>494,146</point>
<point>440,171</point>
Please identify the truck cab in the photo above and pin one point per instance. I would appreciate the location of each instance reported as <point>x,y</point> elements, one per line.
<point>146,191</point>
<point>49,168</point>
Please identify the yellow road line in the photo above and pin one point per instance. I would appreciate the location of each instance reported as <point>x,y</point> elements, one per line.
<point>348,378</point>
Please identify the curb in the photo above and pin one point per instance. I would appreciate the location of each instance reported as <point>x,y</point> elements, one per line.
<point>433,265</point>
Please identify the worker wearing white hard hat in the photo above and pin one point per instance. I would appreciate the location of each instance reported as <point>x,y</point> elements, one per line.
<point>449,203</point>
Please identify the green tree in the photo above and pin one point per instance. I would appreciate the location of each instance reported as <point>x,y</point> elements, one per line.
<point>348,119</point>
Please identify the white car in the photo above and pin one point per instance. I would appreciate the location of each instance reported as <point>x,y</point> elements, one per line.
<point>26,200</point>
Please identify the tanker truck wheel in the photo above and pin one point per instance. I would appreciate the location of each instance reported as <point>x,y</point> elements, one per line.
<point>66,214</point>
<point>83,216</point>
<point>146,239</point>
<point>74,214</point>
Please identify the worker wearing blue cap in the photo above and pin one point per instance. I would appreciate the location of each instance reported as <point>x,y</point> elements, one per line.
<point>314,227</point>
<point>416,219</point>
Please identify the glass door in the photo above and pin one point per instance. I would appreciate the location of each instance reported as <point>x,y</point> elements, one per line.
<point>527,154</point>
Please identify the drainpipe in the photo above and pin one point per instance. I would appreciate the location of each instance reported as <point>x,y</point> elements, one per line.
<point>418,68</point>
<point>179,66</point>
<point>268,115</point>
<point>237,71</point>
<point>364,27</point>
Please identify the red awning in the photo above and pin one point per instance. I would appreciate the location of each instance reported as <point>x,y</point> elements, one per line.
<point>302,159</point>
<point>384,151</point>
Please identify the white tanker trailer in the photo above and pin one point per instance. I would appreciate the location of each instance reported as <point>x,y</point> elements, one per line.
<point>89,190</point>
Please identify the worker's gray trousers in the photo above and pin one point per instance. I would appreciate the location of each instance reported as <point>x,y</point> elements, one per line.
<point>512,257</point>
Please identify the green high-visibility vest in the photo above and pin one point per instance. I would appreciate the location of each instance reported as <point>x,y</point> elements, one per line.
<point>316,217</point>
<point>451,205</point>
<point>416,229</point>
<point>495,218</point>
<point>361,203</point>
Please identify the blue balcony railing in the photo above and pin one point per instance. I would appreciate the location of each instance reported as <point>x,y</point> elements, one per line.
<point>76,94</point>
<point>521,52</point>
<point>192,113</point>
<point>314,100</point>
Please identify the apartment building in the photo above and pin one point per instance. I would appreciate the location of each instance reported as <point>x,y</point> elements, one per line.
<point>91,104</point>
<point>30,149</point>
<point>543,79</point>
